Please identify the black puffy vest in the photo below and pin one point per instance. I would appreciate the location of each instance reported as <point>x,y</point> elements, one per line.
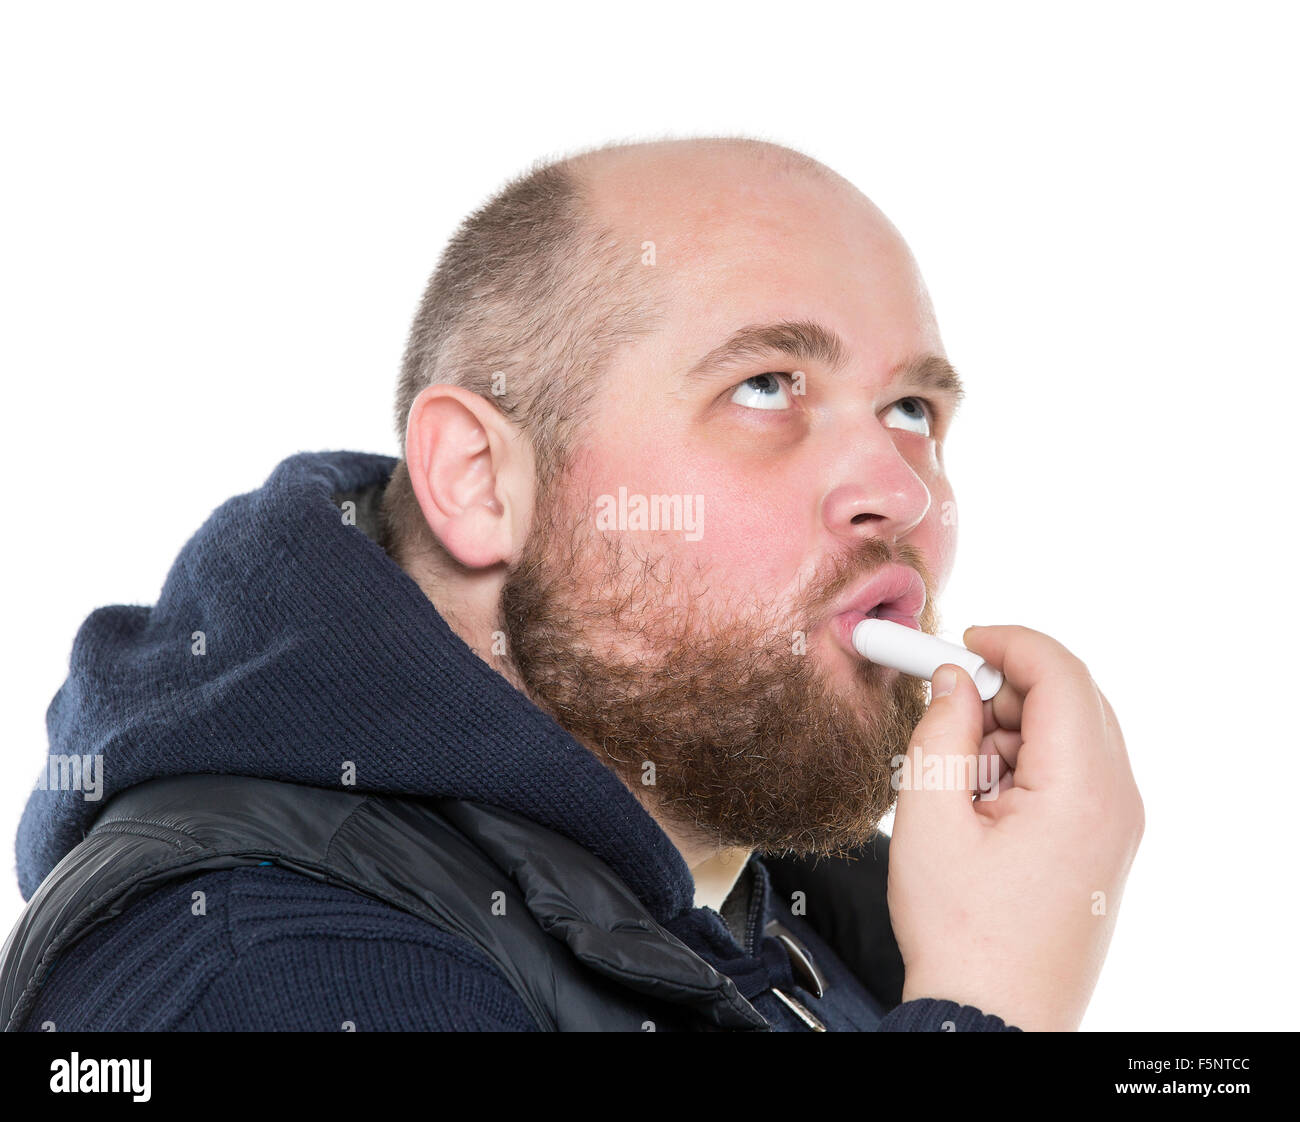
<point>568,935</point>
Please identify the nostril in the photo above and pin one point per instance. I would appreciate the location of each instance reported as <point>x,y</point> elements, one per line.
<point>858,519</point>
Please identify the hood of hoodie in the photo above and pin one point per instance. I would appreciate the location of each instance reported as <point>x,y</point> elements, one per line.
<point>286,644</point>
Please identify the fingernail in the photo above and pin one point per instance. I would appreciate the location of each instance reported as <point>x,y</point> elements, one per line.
<point>944,682</point>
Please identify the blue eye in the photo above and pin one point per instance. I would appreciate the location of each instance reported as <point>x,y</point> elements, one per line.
<point>762,391</point>
<point>909,413</point>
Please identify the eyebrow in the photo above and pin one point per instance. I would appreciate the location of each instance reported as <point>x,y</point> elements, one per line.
<point>806,341</point>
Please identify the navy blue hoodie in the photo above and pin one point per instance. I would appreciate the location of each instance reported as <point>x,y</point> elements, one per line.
<point>286,643</point>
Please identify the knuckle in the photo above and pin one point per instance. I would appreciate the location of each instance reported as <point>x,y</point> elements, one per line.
<point>1050,652</point>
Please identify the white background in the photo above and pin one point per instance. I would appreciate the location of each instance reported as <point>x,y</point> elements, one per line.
<point>218,219</point>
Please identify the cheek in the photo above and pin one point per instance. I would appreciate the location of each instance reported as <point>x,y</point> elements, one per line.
<point>752,529</point>
<point>936,537</point>
<point>760,527</point>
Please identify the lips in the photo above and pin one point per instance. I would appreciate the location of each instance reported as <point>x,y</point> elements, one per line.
<point>893,592</point>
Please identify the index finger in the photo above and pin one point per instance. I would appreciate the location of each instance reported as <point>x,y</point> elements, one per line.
<point>1062,723</point>
<point>1024,656</point>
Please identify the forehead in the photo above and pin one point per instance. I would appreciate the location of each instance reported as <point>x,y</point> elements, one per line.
<point>738,241</point>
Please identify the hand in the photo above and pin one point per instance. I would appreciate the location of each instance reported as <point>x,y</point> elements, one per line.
<point>1008,902</point>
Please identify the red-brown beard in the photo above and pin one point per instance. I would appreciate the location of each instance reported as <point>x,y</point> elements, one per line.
<point>752,745</point>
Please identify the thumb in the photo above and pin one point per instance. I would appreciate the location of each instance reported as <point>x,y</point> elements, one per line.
<point>942,763</point>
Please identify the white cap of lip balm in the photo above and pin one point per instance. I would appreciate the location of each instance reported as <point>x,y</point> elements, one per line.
<point>920,655</point>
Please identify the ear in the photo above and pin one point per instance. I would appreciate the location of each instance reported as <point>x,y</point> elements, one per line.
<point>472,473</point>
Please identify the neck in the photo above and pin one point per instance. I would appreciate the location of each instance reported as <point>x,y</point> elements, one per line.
<point>714,868</point>
<point>716,875</point>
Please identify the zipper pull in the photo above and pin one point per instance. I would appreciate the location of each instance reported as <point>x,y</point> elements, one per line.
<point>800,1011</point>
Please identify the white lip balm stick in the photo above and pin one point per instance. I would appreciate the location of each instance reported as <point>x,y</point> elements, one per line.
<point>914,652</point>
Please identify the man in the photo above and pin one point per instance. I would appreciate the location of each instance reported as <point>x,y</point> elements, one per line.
<point>673,418</point>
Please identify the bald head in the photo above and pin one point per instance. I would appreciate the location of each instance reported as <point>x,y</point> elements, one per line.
<point>655,165</point>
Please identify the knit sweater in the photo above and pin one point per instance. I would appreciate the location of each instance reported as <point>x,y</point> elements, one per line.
<point>286,644</point>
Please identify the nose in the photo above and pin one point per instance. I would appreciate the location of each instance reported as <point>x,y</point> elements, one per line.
<point>885,499</point>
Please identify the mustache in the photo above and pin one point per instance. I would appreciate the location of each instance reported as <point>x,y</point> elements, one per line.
<point>857,563</point>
